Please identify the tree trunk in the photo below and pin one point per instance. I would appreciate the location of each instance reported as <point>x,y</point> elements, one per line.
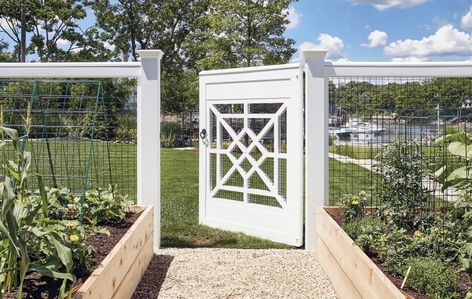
<point>23,32</point>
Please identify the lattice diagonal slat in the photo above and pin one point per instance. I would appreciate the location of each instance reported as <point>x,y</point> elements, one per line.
<point>270,186</point>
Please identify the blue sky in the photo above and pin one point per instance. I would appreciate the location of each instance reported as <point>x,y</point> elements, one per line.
<point>376,30</point>
<point>400,30</point>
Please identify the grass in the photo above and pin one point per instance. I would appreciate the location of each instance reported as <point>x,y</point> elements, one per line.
<point>179,193</point>
<point>355,152</point>
<point>179,185</point>
<point>179,181</point>
<point>348,178</point>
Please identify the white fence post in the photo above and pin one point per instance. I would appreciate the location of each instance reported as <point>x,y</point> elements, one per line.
<point>149,111</point>
<point>316,140</point>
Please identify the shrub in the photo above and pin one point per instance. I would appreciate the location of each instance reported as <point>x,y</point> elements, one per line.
<point>403,199</point>
<point>169,134</point>
<point>433,278</point>
<point>126,128</point>
<point>170,128</point>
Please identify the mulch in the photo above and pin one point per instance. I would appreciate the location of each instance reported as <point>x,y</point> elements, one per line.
<point>153,278</point>
<point>38,286</point>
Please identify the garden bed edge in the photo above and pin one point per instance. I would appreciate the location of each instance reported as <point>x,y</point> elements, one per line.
<point>119,273</point>
<point>350,270</point>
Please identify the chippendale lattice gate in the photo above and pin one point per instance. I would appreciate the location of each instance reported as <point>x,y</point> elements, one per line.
<point>251,151</point>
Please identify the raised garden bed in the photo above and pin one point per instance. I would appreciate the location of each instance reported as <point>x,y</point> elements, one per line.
<point>352,273</point>
<point>120,272</point>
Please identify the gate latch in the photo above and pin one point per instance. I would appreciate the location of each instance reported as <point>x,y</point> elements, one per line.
<point>203,134</point>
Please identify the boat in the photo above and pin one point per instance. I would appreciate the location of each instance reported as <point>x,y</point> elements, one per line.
<point>359,131</point>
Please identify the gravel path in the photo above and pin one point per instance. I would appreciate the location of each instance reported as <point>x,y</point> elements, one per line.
<point>243,273</point>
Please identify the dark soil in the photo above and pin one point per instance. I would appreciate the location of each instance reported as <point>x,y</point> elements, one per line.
<point>37,286</point>
<point>153,278</point>
<point>464,282</point>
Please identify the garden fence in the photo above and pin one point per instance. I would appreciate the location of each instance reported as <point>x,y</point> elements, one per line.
<point>355,112</point>
<point>85,132</point>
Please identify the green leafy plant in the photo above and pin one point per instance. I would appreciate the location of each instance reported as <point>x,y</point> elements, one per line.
<point>23,220</point>
<point>366,232</point>
<point>433,278</point>
<point>460,145</point>
<point>98,206</point>
<point>168,140</point>
<point>403,199</point>
<point>126,129</point>
<point>353,206</point>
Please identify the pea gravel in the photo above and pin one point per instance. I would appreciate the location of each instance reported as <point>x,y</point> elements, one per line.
<point>244,273</point>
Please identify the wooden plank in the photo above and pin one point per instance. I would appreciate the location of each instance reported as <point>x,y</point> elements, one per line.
<point>364,275</point>
<point>340,281</point>
<point>106,279</point>
<point>346,256</point>
<point>135,273</point>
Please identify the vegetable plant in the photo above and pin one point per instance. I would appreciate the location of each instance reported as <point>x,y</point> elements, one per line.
<point>23,220</point>
<point>403,198</point>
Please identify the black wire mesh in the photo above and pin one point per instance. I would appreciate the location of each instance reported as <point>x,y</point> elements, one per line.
<point>367,114</point>
<point>83,135</point>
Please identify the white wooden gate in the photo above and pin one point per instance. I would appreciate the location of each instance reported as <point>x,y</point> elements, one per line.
<point>251,151</point>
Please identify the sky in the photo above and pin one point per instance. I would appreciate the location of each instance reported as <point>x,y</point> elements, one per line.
<point>383,30</point>
<point>377,30</point>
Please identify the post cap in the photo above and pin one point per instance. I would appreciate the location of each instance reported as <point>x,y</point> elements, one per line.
<point>150,54</point>
<point>314,53</point>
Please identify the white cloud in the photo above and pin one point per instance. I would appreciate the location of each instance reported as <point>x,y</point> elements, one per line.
<point>386,4</point>
<point>109,46</point>
<point>63,42</point>
<point>4,24</point>
<point>446,41</point>
<point>333,44</point>
<point>292,16</point>
<point>377,39</point>
<point>466,21</point>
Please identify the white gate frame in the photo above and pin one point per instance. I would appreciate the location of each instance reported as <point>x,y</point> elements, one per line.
<point>265,84</point>
<point>147,72</point>
<point>317,74</point>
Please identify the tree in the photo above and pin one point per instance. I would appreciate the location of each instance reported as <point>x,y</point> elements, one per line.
<point>5,55</point>
<point>243,33</point>
<point>131,25</point>
<point>52,29</point>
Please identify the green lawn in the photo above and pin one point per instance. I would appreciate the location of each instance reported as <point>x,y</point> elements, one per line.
<point>179,193</point>
<point>179,185</point>
<point>348,178</point>
<point>355,152</point>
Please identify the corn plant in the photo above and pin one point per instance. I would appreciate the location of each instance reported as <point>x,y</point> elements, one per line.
<point>22,222</point>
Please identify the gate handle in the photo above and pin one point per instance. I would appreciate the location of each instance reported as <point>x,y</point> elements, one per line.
<point>203,134</point>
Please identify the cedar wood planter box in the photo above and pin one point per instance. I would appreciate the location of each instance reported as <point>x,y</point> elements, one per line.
<point>119,273</point>
<point>349,269</point>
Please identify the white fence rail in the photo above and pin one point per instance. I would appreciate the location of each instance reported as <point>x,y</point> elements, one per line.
<point>317,75</point>
<point>147,73</point>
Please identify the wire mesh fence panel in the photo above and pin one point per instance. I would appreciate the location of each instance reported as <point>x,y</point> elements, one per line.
<point>79,136</point>
<point>369,116</point>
